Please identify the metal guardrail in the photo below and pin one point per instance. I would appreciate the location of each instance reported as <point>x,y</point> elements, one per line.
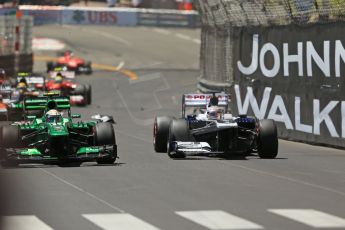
<point>109,16</point>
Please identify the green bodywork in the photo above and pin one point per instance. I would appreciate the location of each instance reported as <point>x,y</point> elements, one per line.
<point>58,137</point>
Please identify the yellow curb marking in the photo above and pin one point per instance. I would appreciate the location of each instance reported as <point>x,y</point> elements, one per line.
<point>131,75</point>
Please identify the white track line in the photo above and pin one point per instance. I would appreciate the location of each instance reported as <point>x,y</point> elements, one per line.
<point>121,65</point>
<point>311,217</point>
<point>119,222</point>
<point>218,220</point>
<point>162,31</point>
<point>111,36</point>
<point>183,36</point>
<point>84,192</point>
<point>23,223</point>
<point>305,183</point>
<point>197,41</point>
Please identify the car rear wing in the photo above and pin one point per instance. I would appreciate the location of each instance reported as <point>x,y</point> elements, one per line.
<point>42,103</point>
<point>5,90</point>
<point>32,80</point>
<point>203,100</point>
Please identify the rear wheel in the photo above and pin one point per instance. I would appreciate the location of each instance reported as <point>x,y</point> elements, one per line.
<point>160,133</point>
<point>88,94</point>
<point>50,66</point>
<point>88,65</point>
<point>267,142</point>
<point>82,91</point>
<point>178,131</point>
<point>105,135</point>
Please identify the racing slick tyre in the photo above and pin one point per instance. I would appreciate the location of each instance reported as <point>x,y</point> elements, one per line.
<point>88,65</point>
<point>81,90</point>
<point>178,131</point>
<point>105,135</point>
<point>267,139</point>
<point>10,136</point>
<point>160,133</point>
<point>50,66</point>
<point>88,94</point>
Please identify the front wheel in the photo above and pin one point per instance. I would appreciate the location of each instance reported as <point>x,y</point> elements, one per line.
<point>105,135</point>
<point>178,131</point>
<point>160,133</point>
<point>267,142</point>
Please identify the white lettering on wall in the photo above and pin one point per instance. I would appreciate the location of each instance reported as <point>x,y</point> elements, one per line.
<point>323,64</point>
<point>323,116</point>
<point>298,123</point>
<point>285,59</point>
<point>269,47</point>
<point>250,99</point>
<point>343,119</point>
<point>339,53</point>
<point>293,58</point>
<point>278,105</point>
<point>254,64</point>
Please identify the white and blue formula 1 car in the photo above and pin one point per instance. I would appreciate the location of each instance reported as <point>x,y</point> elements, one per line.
<point>207,128</point>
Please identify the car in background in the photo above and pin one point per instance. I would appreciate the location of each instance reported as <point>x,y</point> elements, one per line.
<point>63,82</point>
<point>69,62</point>
<point>209,129</point>
<point>55,138</point>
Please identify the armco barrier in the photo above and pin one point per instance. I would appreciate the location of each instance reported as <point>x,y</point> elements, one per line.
<point>108,16</point>
<point>295,76</point>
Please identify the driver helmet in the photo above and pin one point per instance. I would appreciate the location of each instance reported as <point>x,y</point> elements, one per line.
<point>21,85</point>
<point>58,78</point>
<point>53,116</point>
<point>214,113</point>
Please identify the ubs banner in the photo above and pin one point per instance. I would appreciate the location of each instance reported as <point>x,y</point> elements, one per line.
<point>295,76</point>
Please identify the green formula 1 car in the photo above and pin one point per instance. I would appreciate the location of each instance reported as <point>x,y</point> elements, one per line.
<point>54,138</point>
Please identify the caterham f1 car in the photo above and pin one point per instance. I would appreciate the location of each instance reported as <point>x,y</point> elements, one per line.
<point>69,62</point>
<point>54,138</point>
<point>211,130</point>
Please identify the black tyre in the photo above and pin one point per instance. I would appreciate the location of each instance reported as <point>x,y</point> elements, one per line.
<point>88,65</point>
<point>50,66</point>
<point>79,90</point>
<point>178,131</point>
<point>88,94</point>
<point>267,142</point>
<point>11,137</point>
<point>160,133</point>
<point>105,135</point>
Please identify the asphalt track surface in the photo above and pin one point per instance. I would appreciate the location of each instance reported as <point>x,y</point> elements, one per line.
<point>147,190</point>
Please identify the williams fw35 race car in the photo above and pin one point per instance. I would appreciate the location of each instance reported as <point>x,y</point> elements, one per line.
<point>69,62</point>
<point>54,138</point>
<point>209,130</point>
